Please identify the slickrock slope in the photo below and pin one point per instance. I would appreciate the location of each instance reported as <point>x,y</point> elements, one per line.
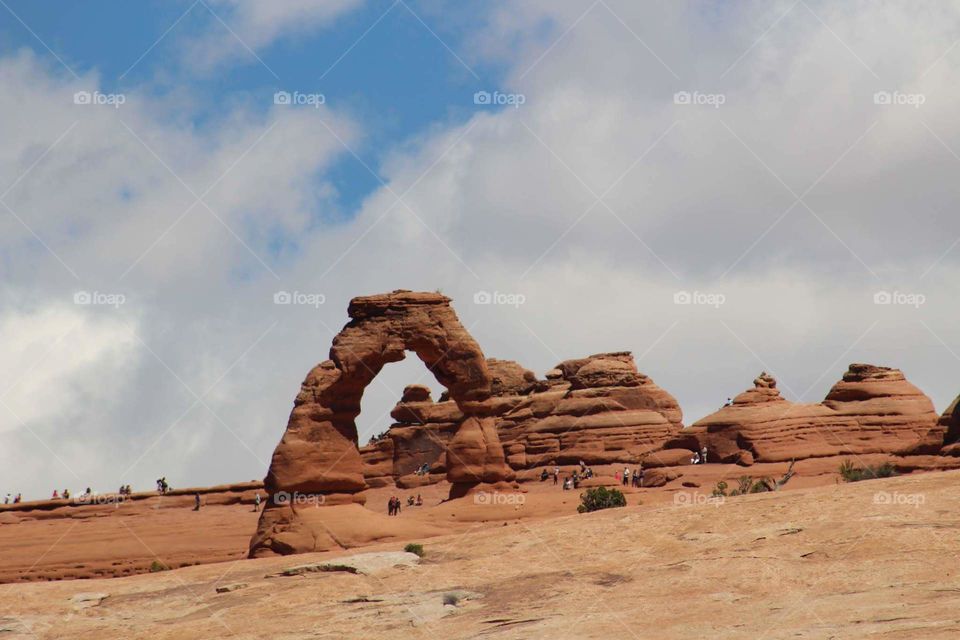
<point>110,535</point>
<point>865,560</point>
<point>318,458</point>
<point>871,410</point>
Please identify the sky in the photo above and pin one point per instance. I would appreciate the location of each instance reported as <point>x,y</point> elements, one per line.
<point>721,188</point>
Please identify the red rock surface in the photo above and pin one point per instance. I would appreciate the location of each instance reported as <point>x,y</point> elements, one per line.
<point>871,410</point>
<point>318,456</point>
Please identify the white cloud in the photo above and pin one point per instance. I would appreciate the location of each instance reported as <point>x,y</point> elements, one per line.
<point>249,26</point>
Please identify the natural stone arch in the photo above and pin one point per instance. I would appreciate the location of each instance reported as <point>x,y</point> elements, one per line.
<point>318,454</point>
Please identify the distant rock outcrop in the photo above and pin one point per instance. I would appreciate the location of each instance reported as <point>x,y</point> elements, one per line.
<point>950,422</point>
<point>871,410</point>
<point>599,409</point>
<point>318,458</point>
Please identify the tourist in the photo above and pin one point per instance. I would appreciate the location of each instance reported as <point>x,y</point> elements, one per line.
<point>703,456</point>
<point>696,458</point>
<point>728,402</point>
<point>196,502</point>
<point>544,474</point>
<point>18,498</point>
<point>129,491</point>
<point>641,472</point>
<point>256,502</point>
<point>419,500</point>
<point>66,494</point>
<point>396,506</point>
<point>6,500</point>
<point>556,474</point>
<point>617,477</point>
<point>55,495</point>
<point>626,476</point>
<point>409,501</point>
<point>390,506</point>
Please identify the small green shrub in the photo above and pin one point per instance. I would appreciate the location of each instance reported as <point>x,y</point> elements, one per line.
<point>156,566</point>
<point>600,498</point>
<point>851,473</point>
<point>414,548</point>
<point>720,489</point>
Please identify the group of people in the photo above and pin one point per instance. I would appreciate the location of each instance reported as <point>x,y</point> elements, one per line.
<point>17,499</point>
<point>393,506</point>
<point>699,457</point>
<point>125,490</point>
<point>570,482</point>
<point>66,494</point>
<point>631,479</point>
<point>423,469</point>
<point>162,486</point>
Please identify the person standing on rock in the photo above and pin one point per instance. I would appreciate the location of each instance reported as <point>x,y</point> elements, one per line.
<point>256,502</point>
<point>196,502</point>
<point>626,476</point>
<point>556,475</point>
<point>703,456</point>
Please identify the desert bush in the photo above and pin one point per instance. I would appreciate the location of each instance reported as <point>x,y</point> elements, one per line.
<point>720,489</point>
<point>851,473</point>
<point>600,498</point>
<point>156,566</point>
<point>414,548</point>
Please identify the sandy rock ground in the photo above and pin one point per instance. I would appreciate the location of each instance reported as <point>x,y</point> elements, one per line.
<point>875,559</point>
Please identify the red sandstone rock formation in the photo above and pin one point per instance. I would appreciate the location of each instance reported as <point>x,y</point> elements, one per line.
<point>318,455</point>
<point>950,422</point>
<point>420,436</point>
<point>871,410</point>
<point>598,409</point>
